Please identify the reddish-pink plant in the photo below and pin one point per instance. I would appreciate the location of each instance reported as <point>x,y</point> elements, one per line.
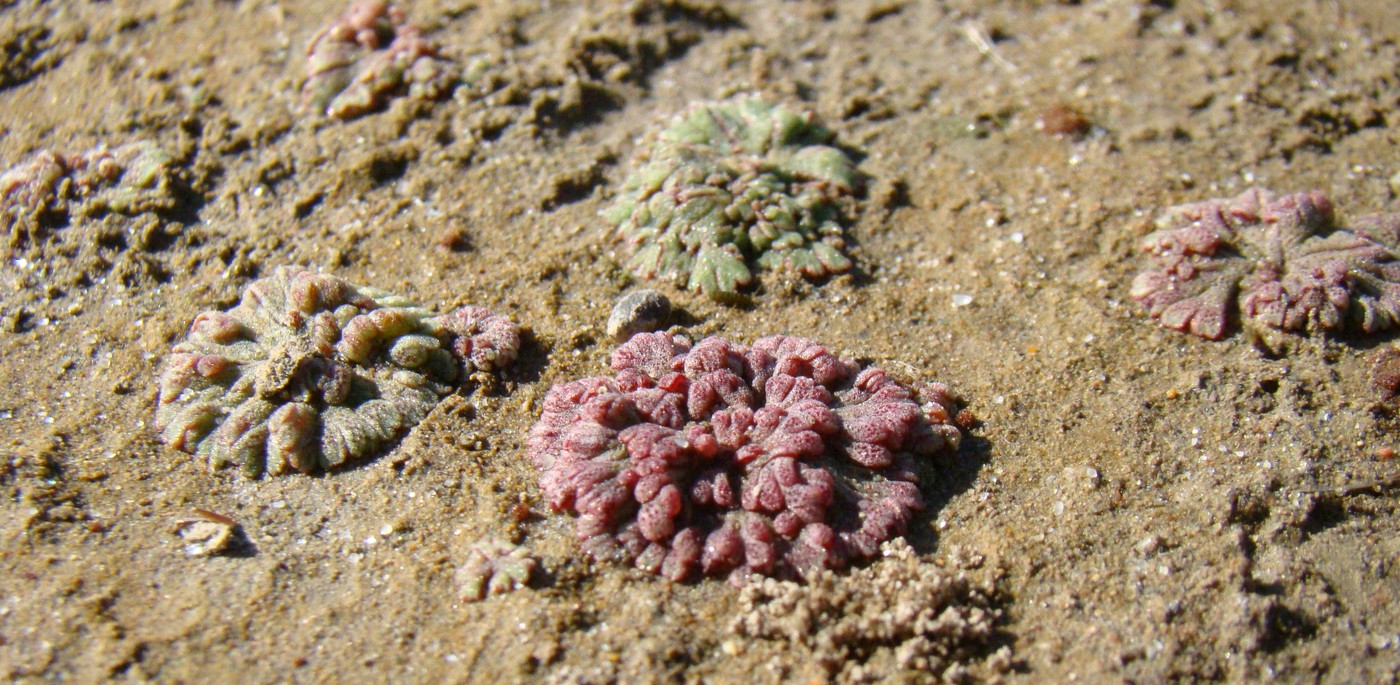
<point>1274,261</point>
<point>369,55</point>
<point>779,459</point>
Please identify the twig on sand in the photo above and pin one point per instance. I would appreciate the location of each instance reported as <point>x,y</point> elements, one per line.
<point>983,42</point>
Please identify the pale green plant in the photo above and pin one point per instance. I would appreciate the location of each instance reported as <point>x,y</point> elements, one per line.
<point>732,184</point>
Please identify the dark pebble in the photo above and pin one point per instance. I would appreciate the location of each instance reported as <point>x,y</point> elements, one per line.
<point>638,312</point>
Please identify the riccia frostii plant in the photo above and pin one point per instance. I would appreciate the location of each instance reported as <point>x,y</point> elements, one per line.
<point>734,182</point>
<point>51,189</point>
<point>779,459</point>
<point>369,55</point>
<point>310,372</point>
<point>1274,261</point>
<point>494,567</point>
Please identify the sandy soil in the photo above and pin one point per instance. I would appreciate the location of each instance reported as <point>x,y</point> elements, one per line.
<point>1137,505</point>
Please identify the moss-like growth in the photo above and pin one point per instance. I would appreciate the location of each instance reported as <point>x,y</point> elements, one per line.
<point>51,189</point>
<point>722,459</point>
<point>735,183</point>
<point>1273,262</point>
<point>369,55</point>
<point>310,372</point>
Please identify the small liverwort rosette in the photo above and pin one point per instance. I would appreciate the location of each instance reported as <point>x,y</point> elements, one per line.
<point>736,184</point>
<point>310,372</point>
<point>779,459</point>
<point>1270,261</point>
<point>368,56</point>
<point>49,190</point>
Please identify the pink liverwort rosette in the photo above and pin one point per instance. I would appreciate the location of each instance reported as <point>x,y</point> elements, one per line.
<point>779,459</point>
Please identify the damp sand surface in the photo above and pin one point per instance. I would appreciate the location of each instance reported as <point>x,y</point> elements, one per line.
<point>1136,504</point>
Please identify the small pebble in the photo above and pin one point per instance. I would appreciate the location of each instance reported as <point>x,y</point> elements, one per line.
<point>641,311</point>
<point>205,538</point>
<point>1149,545</point>
<point>1061,121</point>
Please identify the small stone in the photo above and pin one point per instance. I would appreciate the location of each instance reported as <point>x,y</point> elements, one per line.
<point>1149,545</point>
<point>641,311</point>
<point>205,538</point>
<point>1062,121</point>
<point>1385,373</point>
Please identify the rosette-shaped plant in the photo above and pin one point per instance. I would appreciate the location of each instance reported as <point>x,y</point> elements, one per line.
<point>733,182</point>
<point>310,372</point>
<point>1280,262</point>
<point>779,459</point>
<point>50,189</point>
<point>494,567</point>
<point>372,53</point>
